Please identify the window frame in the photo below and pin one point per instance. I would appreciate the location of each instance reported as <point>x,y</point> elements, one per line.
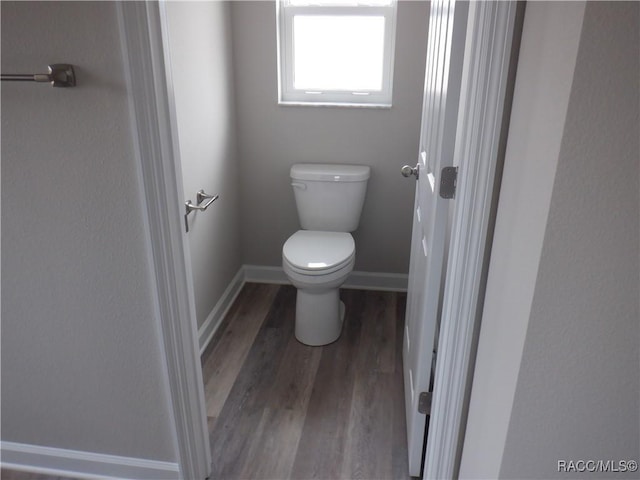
<point>288,95</point>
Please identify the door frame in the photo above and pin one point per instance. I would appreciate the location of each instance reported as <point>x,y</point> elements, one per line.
<point>156,148</point>
<point>484,111</point>
<point>482,130</point>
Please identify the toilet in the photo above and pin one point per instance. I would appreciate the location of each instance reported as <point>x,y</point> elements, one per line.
<point>319,258</point>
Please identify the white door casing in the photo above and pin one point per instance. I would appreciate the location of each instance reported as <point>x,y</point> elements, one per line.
<point>493,30</point>
<point>156,147</point>
<point>445,53</point>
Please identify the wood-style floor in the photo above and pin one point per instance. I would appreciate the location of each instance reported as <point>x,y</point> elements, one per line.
<point>278,409</point>
<point>18,475</point>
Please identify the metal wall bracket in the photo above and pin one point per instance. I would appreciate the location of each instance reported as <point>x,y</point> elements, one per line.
<point>60,75</point>
<point>201,196</point>
<point>424,403</point>
<point>448,182</point>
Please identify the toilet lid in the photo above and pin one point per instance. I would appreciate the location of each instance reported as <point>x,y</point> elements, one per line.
<point>314,251</point>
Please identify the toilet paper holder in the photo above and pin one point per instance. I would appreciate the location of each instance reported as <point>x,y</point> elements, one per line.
<point>201,196</point>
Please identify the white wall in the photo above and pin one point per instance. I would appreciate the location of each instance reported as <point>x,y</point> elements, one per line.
<point>271,138</point>
<point>200,48</point>
<point>549,44</point>
<point>557,367</point>
<point>578,389</point>
<point>81,359</point>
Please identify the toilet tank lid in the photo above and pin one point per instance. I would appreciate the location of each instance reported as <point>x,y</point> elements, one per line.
<point>323,172</point>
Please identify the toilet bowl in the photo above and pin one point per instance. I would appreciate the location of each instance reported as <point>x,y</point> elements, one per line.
<point>317,263</point>
<point>319,258</point>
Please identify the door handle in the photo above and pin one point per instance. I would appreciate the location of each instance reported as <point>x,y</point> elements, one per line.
<point>408,170</point>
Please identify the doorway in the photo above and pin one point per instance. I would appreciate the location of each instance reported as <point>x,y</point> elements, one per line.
<point>144,57</point>
<point>188,73</point>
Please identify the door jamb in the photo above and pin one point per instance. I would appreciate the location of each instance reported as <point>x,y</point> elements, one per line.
<point>481,133</point>
<point>156,150</point>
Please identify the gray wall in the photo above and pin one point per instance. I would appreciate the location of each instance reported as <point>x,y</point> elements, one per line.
<point>81,358</point>
<point>556,376</point>
<point>272,138</point>
<point>200,48</point>
<point>546,64</point>
<point>578,392</point>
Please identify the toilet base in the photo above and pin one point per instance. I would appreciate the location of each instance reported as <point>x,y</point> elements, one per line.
<point>319,316</point>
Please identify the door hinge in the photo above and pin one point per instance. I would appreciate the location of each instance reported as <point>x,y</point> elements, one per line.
<point>448,182</point>
<point>424,403</point>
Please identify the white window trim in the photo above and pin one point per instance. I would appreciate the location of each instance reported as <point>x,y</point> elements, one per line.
<point>287,95</point>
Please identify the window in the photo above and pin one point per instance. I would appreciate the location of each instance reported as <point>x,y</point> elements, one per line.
<point>336,52</point>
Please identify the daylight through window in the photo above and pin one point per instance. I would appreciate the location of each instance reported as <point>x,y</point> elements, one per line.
<point>336,52</point>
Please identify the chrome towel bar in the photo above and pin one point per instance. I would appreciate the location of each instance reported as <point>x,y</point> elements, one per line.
<point>60,75</point>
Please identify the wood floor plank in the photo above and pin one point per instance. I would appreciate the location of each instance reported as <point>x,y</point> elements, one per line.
<point>368,452</point>
<point>275,443</point>
<point>243,410</point>
<point>369,446</point>
<point>377,351</point>
<point>321,447</point>
<point>6,474</point>
<point>400,455</point>
<point>221,368</point>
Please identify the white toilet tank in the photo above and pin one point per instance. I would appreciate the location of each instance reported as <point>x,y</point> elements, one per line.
<point>329,197</point>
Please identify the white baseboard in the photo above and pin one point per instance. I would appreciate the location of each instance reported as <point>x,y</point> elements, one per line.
<point>263,274</point>
<point>247,273</point>
<point>388,282</point>
<point>211,324</point>
<point>86,465</point>
<point>393,282</point>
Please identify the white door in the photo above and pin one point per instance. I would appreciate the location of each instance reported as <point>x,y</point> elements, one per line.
<point>445,51</point>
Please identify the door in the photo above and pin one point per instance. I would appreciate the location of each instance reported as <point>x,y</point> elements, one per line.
<point>445,52</point>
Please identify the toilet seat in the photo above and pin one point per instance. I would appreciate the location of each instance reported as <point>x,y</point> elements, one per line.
<point>310,252</point>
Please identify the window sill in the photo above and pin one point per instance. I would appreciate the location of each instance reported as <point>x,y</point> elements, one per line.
<point>379,106</point>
